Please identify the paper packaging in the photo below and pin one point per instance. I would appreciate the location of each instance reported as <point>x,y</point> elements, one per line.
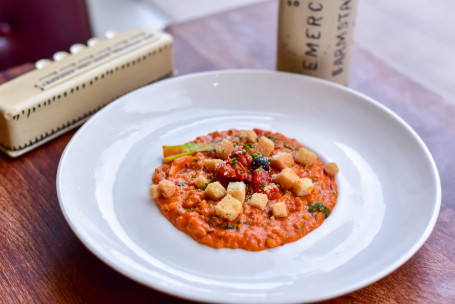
<point>42,104</point>
<point>314,37</point>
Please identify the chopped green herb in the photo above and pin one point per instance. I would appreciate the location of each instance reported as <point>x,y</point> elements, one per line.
<point>286,191</point>
<point>239,222</point>
<point>196,159</point>
<point>236,167</point>
<point>319,207</point>
<point>229,226</point>
<point>278,185</point>
<point>181,184</point>
<point>269,159</point>
<point>241,172</point>
<point>258,170</point>
<point>238,227</point>
<point>248,146</point>
<point>248,170</point>
<point>254,155</point>
<point>235,145</point>
<point>205,186</point>
<point>264,185</point>
<point>261,166</point>
<point>234,160</point>
<point>224,150</point>
<point>244,163</point>
<point>193,176</point>
<point>244,152</point>
<point>200,190</point>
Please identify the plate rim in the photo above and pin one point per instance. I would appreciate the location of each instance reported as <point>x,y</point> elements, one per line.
<point>111,262</point>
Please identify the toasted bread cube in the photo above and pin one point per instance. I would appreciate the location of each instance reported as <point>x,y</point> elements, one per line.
<point>212,164</point>
<point>215,190</point>
<point>303,186</point>
<point>279,210</point>
<point>237,190</point>
<point>281,161</point>
<point>154,191</point>
<point>259,200</point>
<point>229,208</point>
<point>331,169</point>
<point>224,149</point>
<point>249,135</point>
<point>167,188</point>
<point>286,178</point>
<point>265,146</point>
<point>305,157</point>
<point>200,181</point>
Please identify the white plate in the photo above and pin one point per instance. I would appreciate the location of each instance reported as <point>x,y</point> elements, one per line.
<point>389,188</point>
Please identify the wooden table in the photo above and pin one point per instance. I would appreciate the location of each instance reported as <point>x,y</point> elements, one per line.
<point>42,261</point>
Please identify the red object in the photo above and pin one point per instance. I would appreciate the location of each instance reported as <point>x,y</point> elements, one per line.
<point>32,30</point>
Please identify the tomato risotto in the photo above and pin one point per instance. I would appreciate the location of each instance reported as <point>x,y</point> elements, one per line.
<point>249,189</point>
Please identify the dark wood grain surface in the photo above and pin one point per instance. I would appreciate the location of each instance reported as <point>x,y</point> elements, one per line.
<point>42,261</point>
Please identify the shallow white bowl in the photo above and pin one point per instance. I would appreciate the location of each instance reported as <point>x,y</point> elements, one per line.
<point>389,188</point>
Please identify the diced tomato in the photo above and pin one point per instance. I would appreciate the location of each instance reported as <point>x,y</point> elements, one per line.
<point>259,132</point>
<point>260,177</point>
<point>228,171</point>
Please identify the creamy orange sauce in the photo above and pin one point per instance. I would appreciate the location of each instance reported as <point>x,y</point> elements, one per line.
<point>194,213</point>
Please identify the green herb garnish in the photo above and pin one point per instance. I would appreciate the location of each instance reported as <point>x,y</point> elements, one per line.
<point>319,207</point>
<point>234,160</point>
<point>254,155</point>
<point>264,185</point>
<point>229,226</point>
<point>248,146</point>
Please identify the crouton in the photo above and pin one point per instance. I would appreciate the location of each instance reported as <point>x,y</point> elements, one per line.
<point>265,146</point>
<point>154,191</point>
<point>212,164</point>
<point>259,200</point>
<point>305,157</point>
<point>281,161</point>
<point>229,208</point>
<point>303,186</point>
<point>167,188</point>
<point>200,181</point>
<point>224,149</point>
<point>279,210</point>
<point>215,190</point>
<point>249,136</point>
<point>286,178</point>
<point>237,190</point>
<point>331,169</point>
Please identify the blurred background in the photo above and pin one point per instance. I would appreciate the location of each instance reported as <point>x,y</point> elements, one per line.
<point>30,30</point>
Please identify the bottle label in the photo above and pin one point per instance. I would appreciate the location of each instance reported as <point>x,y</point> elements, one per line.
<point>314,37</point>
